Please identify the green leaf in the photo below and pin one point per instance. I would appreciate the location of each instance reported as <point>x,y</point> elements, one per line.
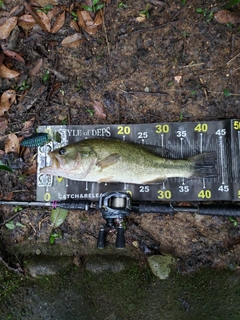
<point>226,92</point>
<point>18,224</point>
<point>58,216</point>
<point>95,2</point>
<point>17,209</point>
<point>87,8</point>
<point>46,76</point>
<point>199,10</point>
<point>54,236</point>
<point>5,167</point>
<point>10,225</point>
<point>99,6</point>
<point>231,3</point>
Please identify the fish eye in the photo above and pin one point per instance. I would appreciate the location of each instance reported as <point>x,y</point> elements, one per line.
<point>61,151</point>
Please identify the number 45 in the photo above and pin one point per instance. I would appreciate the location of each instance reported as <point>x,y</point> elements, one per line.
<point>221,132</point>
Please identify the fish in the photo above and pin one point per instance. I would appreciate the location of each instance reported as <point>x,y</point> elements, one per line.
<point>112,160</point>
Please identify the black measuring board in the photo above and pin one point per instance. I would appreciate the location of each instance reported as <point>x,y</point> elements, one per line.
<point>179,139</point>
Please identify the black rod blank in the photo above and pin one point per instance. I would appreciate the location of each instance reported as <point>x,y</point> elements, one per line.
<point>142,207</point>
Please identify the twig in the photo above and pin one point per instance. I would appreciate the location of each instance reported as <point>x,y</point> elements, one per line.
<point>204,89</point>
<point>105,30</point>
<point>17,132</point>
<point>150,29</point>
<point>230,94</point>
<point>18,270</point>
<point>143,92</point>
<point>11,218</point>
<point>192,65</point>
<point>233,58</point>
<point>32,227</point>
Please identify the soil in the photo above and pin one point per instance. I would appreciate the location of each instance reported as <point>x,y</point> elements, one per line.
<point>177,65</point>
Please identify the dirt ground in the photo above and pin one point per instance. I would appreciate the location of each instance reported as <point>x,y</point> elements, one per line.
<point>176,65</point>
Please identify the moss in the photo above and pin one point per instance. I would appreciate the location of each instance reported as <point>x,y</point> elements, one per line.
<point>131,294</point>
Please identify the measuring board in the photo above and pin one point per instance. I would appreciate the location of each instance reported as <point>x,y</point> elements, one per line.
<point>180,139</point>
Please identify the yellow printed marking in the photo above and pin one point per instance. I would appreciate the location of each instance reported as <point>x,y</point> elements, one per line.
<point>164,194</point>
<point>162,128</point>
<point>124,130</point>
<point>59,179</point>
<point>201,127</point>
<point>205,194</point>
<point>236,125</point>
<point>47,196</point>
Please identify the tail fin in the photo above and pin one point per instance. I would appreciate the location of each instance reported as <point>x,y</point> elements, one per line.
<point>204,165</point>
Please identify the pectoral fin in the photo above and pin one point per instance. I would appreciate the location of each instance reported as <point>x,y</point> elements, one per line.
<point>109,161</point>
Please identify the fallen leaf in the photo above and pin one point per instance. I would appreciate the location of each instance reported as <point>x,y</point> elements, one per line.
<point>178,78</point>
<point>3,125</point>
<point>4,13</point>
<point>89,3</point>
<point>34,71</point>
<point>2,57</point>
<point>7,27</point>
<point>87,18</point>
<point>226,16</point>
<point>12,144</point>
<point>81,21</point>
<point>8,73</point>
<point>158,3</point>
<point>86,22</point>
<point>45,20</point>
<point>58,23</point>
<point>32,169</point>
<point>26,22</point>
<point>74,25</point>
<point>58,216</point>
<point>28,125</point>
<point>71,7</point>
<point>14,10</point>
<point>35,16</point>
<point>99,109</point>
<point>10,194</point>
<point>43,3</point>
<point>14,55</point>
<point>54,88</point>
<point>98,19</point>
<point>7,99</point>
<point>72,41</point>
<point>54,12</point>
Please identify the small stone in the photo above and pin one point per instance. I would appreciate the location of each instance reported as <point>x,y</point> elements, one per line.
<point>135,244</point>
<point>161,265</point>
<point>99,264</point>
<point>146,89</point>
<point>48,265</point>
<point>38,252</point>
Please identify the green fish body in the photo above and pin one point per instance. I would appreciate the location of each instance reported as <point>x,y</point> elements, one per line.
<point>107,160</point>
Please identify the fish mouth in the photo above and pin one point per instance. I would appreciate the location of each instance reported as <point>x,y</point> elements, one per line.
<point>55,165</point>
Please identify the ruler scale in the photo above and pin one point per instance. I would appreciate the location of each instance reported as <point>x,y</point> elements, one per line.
<point>176,140</point>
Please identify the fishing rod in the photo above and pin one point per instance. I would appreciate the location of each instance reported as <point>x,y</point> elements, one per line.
<point>116,206</point>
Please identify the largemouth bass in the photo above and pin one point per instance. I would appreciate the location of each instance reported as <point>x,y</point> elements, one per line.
<point>108,160</point>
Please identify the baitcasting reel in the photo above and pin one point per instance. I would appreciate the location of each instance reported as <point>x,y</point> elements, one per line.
<point>115,207</point>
